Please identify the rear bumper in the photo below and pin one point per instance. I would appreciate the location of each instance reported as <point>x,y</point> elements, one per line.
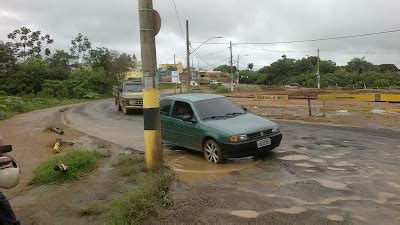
<point>134,107</point>
<point>239,150</point>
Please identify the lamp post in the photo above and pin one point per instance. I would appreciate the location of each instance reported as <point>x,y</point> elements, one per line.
<point>188,70</point>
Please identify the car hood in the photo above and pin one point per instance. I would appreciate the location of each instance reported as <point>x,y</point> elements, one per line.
<point>132,95</point>
<point>243,124</point>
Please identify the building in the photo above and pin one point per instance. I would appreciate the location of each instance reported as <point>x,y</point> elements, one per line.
<point>166,67</point>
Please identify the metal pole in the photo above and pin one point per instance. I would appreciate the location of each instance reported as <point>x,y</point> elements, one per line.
<point>151,95</point>
<point>318,75</point>
<point>188,70</point>
<point>237,69</point>
<point>232,78</point>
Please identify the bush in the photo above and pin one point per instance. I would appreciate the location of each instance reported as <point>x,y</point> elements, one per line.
<point>221,90</point>
<point>79,162</point>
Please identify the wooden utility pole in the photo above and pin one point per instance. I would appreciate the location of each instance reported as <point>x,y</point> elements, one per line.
<point>188,69</point>
<point>232,78</point>
<point>318,75</point>
<point>151,95</point>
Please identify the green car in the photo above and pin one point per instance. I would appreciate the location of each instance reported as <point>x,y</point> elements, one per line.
<point>216,126</point>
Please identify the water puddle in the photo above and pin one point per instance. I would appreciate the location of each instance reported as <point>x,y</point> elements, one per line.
<point>395,185</point>
<point>328,146</point>
<point>329,157</point>
<point>317,160</point>
<point>245,213</point>
<point>305,165</point>
<point>292,210</point>
<point>295,158</point>
<point>336,169</point>
<point>332,184</point>
<point>343,163</point>
<point>310,171</point>
<point>193,166</point>
<point>336,218</point>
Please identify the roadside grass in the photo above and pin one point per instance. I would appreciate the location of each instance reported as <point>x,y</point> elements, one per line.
<point>221,90</point>
<point>79,163</point>
<point>147,197</point>
<point>13,105</point>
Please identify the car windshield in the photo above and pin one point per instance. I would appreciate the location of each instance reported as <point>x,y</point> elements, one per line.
<point>133,88</point>
<point>218,108</point>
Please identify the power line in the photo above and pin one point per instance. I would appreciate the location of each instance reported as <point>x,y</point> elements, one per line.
<point>214,53</point>
<point>318,39</point>
<point>179,20</point>
<point>307,40</point>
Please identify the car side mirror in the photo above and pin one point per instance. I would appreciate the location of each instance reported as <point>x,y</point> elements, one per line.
<point>244,108</point>
<point>188,118</point>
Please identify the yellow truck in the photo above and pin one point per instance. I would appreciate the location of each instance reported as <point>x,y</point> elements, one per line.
<point>129,96</point>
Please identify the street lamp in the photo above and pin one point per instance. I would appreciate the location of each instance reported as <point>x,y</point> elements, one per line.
<point>190,52</point>
<point>218,37</point>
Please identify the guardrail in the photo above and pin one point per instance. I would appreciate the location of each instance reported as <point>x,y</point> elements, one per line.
<point>368,98</point>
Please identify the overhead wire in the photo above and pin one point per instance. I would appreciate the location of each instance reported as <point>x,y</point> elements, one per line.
<point>179,20</point>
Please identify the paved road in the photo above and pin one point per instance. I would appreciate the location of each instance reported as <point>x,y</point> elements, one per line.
<point>320,174</point>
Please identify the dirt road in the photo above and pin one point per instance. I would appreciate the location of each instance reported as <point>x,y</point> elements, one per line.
<point>320,174</point>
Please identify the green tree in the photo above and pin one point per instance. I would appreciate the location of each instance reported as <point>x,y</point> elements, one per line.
<point>225,68</point>
<point>359,65</point>
<point>121,64</point>
<point>7,59</point>
<point>61,58</point>
<point>384,68</point>
<point>100,58</point>
<point>30,45</point>
<point>80,48</point>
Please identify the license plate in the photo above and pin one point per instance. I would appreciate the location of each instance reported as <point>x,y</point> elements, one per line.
<point>263,142</point>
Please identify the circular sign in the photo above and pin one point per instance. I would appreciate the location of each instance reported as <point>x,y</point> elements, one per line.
<point>157,22</point>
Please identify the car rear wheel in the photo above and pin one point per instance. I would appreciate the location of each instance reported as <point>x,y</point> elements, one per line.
<point>212,152</point>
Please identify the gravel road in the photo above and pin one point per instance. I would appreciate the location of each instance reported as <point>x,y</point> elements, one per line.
<point>319,175</point>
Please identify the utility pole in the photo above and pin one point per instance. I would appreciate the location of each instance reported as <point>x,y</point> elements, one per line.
<point>232,78</point>
<point>174,60</point>
<point>188,70</point>
<point>198,69</point>
<point>318,75</point>
<point>151,95</point>
<point>237,70</point>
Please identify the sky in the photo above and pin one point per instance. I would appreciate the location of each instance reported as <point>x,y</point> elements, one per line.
<point>114,24</point>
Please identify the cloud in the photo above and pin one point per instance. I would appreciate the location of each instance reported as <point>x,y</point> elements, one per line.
<point>114,24</point>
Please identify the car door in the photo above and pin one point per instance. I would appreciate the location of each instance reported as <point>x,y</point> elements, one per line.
<point>185,133</point>
<point>165,118</point>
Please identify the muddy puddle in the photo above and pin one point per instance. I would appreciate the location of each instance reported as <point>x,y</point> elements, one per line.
<point>192,166</point>
<point>292,210</point>
<point>295,157</point>
<point>245,213</point>
<point>332,184</point>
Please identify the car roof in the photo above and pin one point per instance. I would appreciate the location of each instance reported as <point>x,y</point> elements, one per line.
<point>194,97</point>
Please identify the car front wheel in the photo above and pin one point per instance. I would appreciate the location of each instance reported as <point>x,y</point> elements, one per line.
<point>212,152</point>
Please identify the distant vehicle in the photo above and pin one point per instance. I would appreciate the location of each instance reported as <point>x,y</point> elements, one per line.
<point>216,126</point>
<point>215,82</point>
<point>194,84</point>
<point>128,96</point>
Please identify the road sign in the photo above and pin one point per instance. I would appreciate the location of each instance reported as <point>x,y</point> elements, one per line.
<point>273,97</point>
<point>157,22</point>
<point>175,77</point>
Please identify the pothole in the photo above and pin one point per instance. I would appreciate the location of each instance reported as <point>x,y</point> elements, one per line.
<point>295,157</point>
<point>336,169</point>
<point>245,213</point>
<point>343,163</point>
<point>317,160</point>
<point>332,184</point>
<point>305,165</point>
<point>336,218</point>
<point>292,210</point>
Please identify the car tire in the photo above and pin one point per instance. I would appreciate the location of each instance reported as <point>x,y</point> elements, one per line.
<point>119,107</point>
<point>212,152</point>
<point>125,110</point>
